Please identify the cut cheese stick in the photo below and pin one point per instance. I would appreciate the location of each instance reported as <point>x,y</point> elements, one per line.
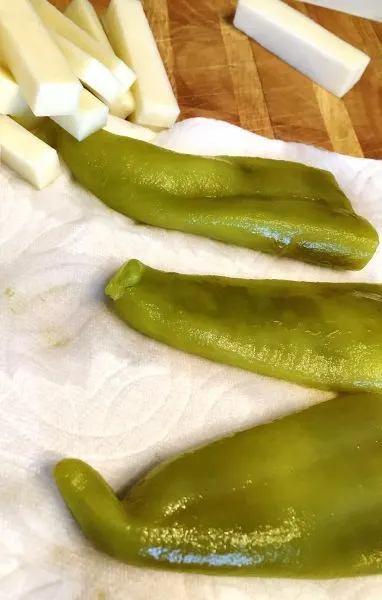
<point>27,119</point>
<point>82,13</point>
<point>11,98</point>
<point>45,78</point>
<point>26,154</point>
<point>90,71</point>
<point>121,127</point>
<point>12,102</point>
<point>328,60</point>
<point>370,9</point>
<point>123,106</point>
<point>89,117</point>
<point>132,39</point>
<point>59,23</point>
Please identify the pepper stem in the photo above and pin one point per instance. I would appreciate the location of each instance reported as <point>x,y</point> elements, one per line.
<point>94,505</point>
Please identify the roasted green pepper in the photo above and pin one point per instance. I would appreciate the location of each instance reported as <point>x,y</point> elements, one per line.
<point>273,206</point>
<point>299,497</point>
<point>323,335</point>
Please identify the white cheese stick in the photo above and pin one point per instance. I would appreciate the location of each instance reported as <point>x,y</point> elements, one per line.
<point>11,98</point>
<point>328,60</point>
<point>27,119</point>
<point>125,128</point>
<point>132,39</point>
<point>59,23</point>
<point>82,13</point>
<point>45,79</point>
<point>90,71</point>
<point>370,9</point>
<point>123,106</point>
<point>26,154</point>
<point>12,102</point>
<point>89,117</point>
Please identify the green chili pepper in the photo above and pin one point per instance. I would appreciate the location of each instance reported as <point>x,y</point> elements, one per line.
<point>323,335</point>
<point>273,206</point>
<point>299,497</point>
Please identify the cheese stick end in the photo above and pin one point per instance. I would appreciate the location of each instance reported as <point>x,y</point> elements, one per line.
<point>27,155</point>
<point>123,106</point>
<point>90,116</point>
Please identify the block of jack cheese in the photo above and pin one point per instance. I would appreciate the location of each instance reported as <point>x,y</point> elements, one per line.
<point>44,76</point>
<point>370,9</point>
<point>82,13</point>
<point>132,40</point>
<point>326,59</point>
<point>90,71</point>
<point>59,23</point>
<point>26,154</point>
<point>90,116</point>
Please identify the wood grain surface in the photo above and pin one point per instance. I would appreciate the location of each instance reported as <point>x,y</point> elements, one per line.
<point>219,72</point>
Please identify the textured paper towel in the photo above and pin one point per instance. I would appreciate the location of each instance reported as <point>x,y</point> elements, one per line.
<point>76,381</point>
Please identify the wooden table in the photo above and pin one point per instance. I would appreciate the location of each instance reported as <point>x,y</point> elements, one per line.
<point>218,72</point>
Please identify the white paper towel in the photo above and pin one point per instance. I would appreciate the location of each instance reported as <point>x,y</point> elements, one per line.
<point>75,381</point>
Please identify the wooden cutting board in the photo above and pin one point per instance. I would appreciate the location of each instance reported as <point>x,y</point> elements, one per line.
<point>218,72</point>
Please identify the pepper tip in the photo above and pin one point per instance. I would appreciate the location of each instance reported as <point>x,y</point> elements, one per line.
<point>127,276</point>
<point>65,468</point>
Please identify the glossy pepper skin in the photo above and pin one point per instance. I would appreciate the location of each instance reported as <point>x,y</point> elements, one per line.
<point>322,335</point>
<point>299,497</point>
<point>272,206</point>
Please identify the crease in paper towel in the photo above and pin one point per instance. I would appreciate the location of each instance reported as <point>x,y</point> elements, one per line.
<point>76,381</point>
